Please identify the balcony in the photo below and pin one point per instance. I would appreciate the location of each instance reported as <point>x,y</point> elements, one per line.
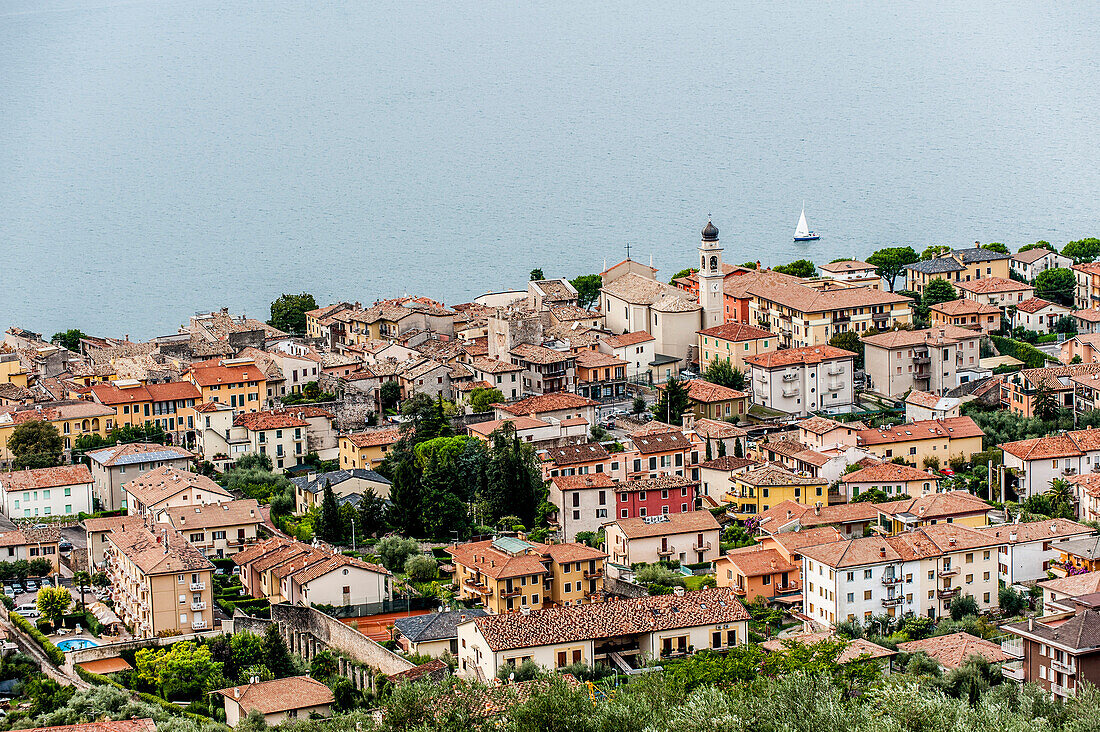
<point>790,392</point>
<point>1013,670</point>
<point>198,586</point>
<point>477,588</point>
<point>949,572</point>
<point>198,625</point>
<point>790,377</point>
<point>834,387</point>
<point>198,606</point>
<point>892,580</point>
<point>666,551</point>
<point>1066,668</point>
<point>739,591</point>
<point>920,360</point>
<point>1013,647</point>
<point>835,370</point>
<point>704,547</point>
<point>947,593</point>
<point>514,592</point>
<point>593,574</point>
<point>892,601</point>
<point>1063,690</point>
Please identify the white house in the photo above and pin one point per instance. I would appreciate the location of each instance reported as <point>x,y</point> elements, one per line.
<point>337,580</point>
<point>1039,460</point>
<point>803,380</point>
<point>278,700</point>
<point>922,405</point>
<point>635,348</point>
<point>1038,315</point>
<point>1026,549</point>
<point>60,491</point>
<point>1029,264</point>
<point>690,537</point>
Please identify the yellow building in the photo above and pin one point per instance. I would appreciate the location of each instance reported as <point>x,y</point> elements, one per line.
<point>918,442</point>
<point>170,405</point>
<point>757,490</point>
<point>733,342</point>
<point>71,420</point>
<point>160,584</point>
<point>12,371</point>
<point>962,265</point>
<point>952,507</point>
<point>237,382</point>
<point>367,449</point>
<point>509,574</point>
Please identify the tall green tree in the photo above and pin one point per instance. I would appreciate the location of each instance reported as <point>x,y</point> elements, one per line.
<point>372,513</point>
<point>798,268</point>
<point>537,275</point>
<point>937,291</point>
<point>738,451</point>
<point>890,262</point>
<point>672,403</point>
<point>35,444</point>
<point>481,400</point>
<point>406,495</point>
<point>69,339</point>
<point>288,312</point>
<point>1082,250</point>
<point>1041,244</point>
<point>276,655</point>
<point>53,602</point>
<point>723,373</point>
<point>425,418</point>
<point>1045,404</point>
<point>996,246</point>
<point>1057,285</point>
<point>513,477</point>
<point>185,670</point>
<point>934,251</point>
<point>849,341</point>
<point>1061,493</point>
<point>588,289</point>
<point>722,448</point>
<point>389,394</point>
<point>328,528</point>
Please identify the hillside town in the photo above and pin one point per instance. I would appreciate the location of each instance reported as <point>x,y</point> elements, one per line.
<point>406,514</point>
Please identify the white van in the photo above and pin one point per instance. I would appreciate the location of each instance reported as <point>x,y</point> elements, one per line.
<point>28,610</point>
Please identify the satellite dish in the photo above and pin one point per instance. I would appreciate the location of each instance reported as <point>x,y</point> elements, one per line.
<point>512,676</point>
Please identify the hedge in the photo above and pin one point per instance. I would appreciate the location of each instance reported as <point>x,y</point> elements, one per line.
<point>1032,357</point>
<point>55,654</point>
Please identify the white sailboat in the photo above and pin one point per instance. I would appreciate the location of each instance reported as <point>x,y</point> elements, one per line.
<point>802,232</point>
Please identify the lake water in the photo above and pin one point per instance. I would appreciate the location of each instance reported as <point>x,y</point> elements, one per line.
<point>158,158</point>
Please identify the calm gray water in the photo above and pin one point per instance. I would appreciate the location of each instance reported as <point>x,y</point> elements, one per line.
<point>157,158</point>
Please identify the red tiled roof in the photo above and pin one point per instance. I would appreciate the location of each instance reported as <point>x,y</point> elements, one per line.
<point>375,438</point>
<point>988,285</point>
<point>952,428</point>
<point>808,355</point>
<point>737,332</point>
<point>547,403</point>
<point>629,339</point>
<point>64,475</point>
<point>951,650</point>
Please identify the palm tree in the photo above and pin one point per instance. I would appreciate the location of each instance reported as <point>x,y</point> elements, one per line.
<point>1060,491</point>
<point>82,580</point>
<point>1045,405</point>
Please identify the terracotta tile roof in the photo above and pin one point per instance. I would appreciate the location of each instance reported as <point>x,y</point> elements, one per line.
<point>824,425</point>
<point>1074,585</point>
<point>717,430</point>
<point>212,373</point>
<point>581,482</point>
<point>64,475</point>
<point>1069,444</point>
<point>728,462</point>
<point>803,299</point>
<point>787,512</point>
<point>122,725</point>
<point>847,265</point>
<point>770,475</point>
<point>214,515</point>
<point>793,541</point>
<point>629,339</point>
<point>757,561</point>
<point>1032,255</point>
<point>737,332</point>
<point>540,354</point>
<point>204,407</point>
<point>571,552</point>
<point>137,452</point>
<point>952,428</point>
<point>908,338</point>
<point>54,411</point>
<point>547,403</point>
<point>699,390</point>
<point>922,543</point>
<point>375,438</point>
<point>417,673</point>
<point>611,619</point>
<point>106,665</point>
<point>654,427</point>
<point>1089,315</point>
<point>111,523</point>
<point>987,285</point>
<point>965,307</point>
<point>260,421</point>
<point>279,695</point>
<point>672,523</point>
<point>1027,531</point>
<point>1051,376</point>
<point>856,648</point>
<point>596,359</point>
<point>333,563</point>
<point>797,451</point>
<point>520,423</point>
<point>574,454</point>
<point>162,553</point>
<point>49,534</point>
<point>111,395</point>
<point>639,290</point>
<point>165,481</point>
<point>256,551</point>
<point>809,355</point>
<point>1035,304</point>
<point>937,505</point>
<point>490,365</point>
<point>661,482</point>
<point>888,473</point>
<point>486,559</point>
<point>662,442</point>
<point>930,401</point>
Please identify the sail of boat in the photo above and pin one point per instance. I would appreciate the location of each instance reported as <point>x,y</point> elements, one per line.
<point>803,229</point>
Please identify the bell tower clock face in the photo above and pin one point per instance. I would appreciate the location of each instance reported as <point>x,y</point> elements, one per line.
<point>714,287</point>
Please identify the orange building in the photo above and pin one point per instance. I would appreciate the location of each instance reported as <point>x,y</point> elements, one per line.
<point>238,382</point>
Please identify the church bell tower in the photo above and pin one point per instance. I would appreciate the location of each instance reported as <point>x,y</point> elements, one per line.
<point>711,278</point>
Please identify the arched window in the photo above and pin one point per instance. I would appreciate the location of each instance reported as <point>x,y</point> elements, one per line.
<point>714,263</point>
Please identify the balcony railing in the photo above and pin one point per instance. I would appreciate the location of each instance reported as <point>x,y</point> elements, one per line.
<point>949,572</point>
<point>198,625</point>
<point>198,606</point>
<point>704,547</point>
<point>198,586</point>
<point>666,551</point>
<point>1013,647</point>
<point>477,588</point>
<point>739,591</point>
<point>1066,668</point>
<point>892,580</point>
<point>1013,670</point>
<point>1063,690</point>
<point>514,592</point>
<point>593,574</point>
<point>892,601</point>
<point>947,593</point>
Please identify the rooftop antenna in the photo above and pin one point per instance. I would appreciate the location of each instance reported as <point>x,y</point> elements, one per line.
<point>628,250</point>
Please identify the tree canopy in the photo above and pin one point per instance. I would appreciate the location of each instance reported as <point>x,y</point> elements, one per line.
<point>849,340</point>
<point>536,274</point>
<point>996,246</point>
<point>481,399</point>
<point>1041,244</point>
<point>798,268</point>
<point>588,289</point>
<point>937,291</point>
<point>672,403</point>
<point>288,312</point>
<point>69,339</point>
<point>1057,285</point>
<point>35,444</point>
<point>683,273</point>
<point>890,262</point>
<point>1082,250</point>
<point>723,373</point>
<point>931,252</point>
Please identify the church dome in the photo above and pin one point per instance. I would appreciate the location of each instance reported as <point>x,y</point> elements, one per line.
<point>710,232</point>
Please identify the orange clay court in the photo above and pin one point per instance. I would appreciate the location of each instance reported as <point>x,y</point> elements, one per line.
<point>377,627</point>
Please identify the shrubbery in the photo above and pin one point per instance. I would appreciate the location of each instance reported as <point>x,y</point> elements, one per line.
<point>55,654</point>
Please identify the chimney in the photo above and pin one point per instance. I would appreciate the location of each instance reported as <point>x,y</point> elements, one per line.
<point>882,552</point>
<point>817,508</point>
<point>951,541</point>
<point>790,513</point>
<point>678,591</point>
<point>236,693</point>
<point>1012,537</point>
<point>773,564</point>
<point>1031,623</point>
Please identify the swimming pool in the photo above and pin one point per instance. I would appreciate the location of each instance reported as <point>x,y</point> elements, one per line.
<point>75,644</point>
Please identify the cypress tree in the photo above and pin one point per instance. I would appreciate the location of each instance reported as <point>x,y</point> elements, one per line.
<point>708,449</point>
<point>738,451</point>
<point>329,526</point>
<point>721,448</point>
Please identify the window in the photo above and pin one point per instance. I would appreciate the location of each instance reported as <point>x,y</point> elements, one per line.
<point>866,574</point>
<point>851,597</point>
<point>866,594</point>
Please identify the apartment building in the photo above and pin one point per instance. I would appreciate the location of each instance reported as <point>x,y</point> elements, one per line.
<point>72,419</point>
<point>367,450</point>
<point>169,405</point>
<point>65,490</point>
<point>112,467</point>
<point>286,435</point>
<point>237,382</point>
<point>999,292</point>
<point>31,542</point>
<point>827,464</point>
<point>655,496</point>
<point>961,265</point>
<point>772,568</point>
<point>853,271</point>
<point>1060,652</point>
<point>848,520</point>
<point>690,537</point>
<point>508,573</point>
<point>1028,549</point>
<point>964,313</point>
<point>919,571</point>
<point>1035,462</point>
<point>160,584</point>
<point>926,360</point>
<point>624,634</point>
<point>601,376</point>
<point>562,406</point>
<point>755,491</point>
<point>890,478</point>
<point>732,342</point>
<point>915,442</point>
<point>277,700</point>
<point>716,476</point>
<point>799,381</point>
<point>584,502</point>
<point>818,433</point>
<point>542,433</point>
<point>1028,265</point>
<point>713,401</point>
<point>165,487</point>
<point>921,405</point>
<point>580,459</point>
<point>660,453</point>
<point>1018,390</point>
<point>636,349</point>
<point>950,507</point>
<point>215,529</point>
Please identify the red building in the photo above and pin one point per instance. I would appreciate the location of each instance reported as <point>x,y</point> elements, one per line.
<point>655,496</point>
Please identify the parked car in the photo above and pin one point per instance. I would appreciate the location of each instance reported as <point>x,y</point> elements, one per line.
<point>64,546</point>
<point>31,586</point>
<point>9,591</point>
<point>17,587</point>
<point>28,610</point>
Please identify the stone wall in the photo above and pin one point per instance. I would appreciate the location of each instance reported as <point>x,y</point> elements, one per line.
<point>112,650</point>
